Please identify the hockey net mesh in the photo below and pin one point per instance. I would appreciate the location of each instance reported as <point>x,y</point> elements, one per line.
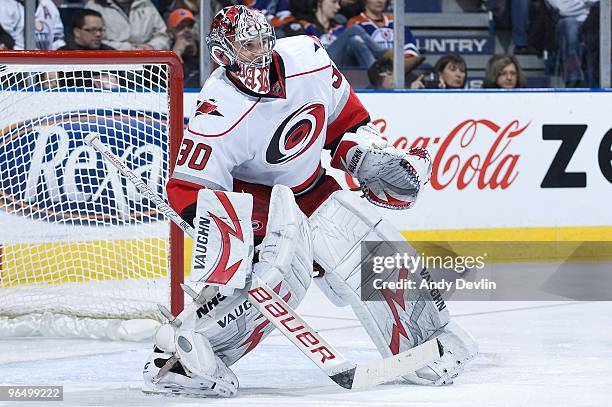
<point>75,237</point>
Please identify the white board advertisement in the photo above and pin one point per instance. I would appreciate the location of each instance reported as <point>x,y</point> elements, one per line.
<point>502,159</point>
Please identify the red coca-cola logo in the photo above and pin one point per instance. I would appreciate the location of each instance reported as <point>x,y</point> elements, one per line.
<point>455,162</point>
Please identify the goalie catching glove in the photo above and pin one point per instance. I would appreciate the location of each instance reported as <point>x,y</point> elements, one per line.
<point>389,177</point>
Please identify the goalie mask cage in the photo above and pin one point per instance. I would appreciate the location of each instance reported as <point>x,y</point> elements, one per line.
<point>77,241</point>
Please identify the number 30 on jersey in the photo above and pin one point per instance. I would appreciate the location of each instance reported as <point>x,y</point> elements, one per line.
<point>198,156</point>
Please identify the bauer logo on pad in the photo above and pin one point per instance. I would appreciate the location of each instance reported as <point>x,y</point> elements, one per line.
<point>223,247</point>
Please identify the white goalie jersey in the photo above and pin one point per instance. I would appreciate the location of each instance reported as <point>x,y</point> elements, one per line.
<point>237,135</point>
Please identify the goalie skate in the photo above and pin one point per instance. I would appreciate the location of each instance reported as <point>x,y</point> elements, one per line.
<point>459,348</point>
<point>180,381</point>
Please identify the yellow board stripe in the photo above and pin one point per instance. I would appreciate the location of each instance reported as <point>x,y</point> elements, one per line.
<point>55,263</point>
<point>521,252</point>
<point>565,233</point>
<point>65,262</point>
<point>584,243</point>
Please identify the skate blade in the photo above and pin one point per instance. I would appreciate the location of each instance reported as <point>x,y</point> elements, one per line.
<point>179,391</point>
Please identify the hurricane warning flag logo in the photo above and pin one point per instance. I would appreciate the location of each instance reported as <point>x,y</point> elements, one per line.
<point>207,107</point>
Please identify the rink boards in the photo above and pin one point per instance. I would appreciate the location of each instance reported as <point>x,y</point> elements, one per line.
<point>528,166</point>
<point>533,164</point>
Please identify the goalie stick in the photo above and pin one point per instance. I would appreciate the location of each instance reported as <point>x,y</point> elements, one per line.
<point>343,372</point>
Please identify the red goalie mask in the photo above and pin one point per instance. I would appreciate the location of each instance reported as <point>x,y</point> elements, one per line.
<point>240,35</point>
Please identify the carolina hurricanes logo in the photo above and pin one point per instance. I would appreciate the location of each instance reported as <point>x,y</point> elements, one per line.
<point>256,224</point>
<point>296,134</point>
<point>207,107</point>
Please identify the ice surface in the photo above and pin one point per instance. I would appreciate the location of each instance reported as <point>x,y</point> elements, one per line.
<point>531,354</point>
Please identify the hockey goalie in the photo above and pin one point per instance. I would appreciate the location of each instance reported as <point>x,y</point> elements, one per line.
<point>262,120</point>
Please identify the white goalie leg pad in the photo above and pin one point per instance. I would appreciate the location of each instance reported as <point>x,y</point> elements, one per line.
<point>219,331</point>
<point>338,227</point>
<point>285,265</point>
<point>287,245</point>
<point>396,320</point>
<point>231,325</point>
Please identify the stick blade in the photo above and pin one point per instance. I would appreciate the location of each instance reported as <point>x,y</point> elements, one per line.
<point>396,366</point>
<point>345,379</point>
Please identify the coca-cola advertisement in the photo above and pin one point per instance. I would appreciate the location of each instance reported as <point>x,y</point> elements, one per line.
<point>503,160</point>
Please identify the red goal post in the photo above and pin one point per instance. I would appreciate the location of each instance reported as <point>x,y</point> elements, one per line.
<point>58,199</point>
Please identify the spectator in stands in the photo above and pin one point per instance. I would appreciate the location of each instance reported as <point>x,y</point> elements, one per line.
<point>132,24</point>
<point>48,27</point>
<point>542,29</point>
<point>379,25</point>
<point>572,14</point>
<point>380,74</point>
<point>503,72</point>
<point>6,41</point>
<point>520,27</point>
<point>514,13</point>
<point>181,23</point>
<point>351,8</point>
<point>87,31</point>
<point>191,5</point>
<point>450,72</point>
<point>346,47</point>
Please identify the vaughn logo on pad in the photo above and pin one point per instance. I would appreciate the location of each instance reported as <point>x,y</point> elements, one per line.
<point>223,248</point>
